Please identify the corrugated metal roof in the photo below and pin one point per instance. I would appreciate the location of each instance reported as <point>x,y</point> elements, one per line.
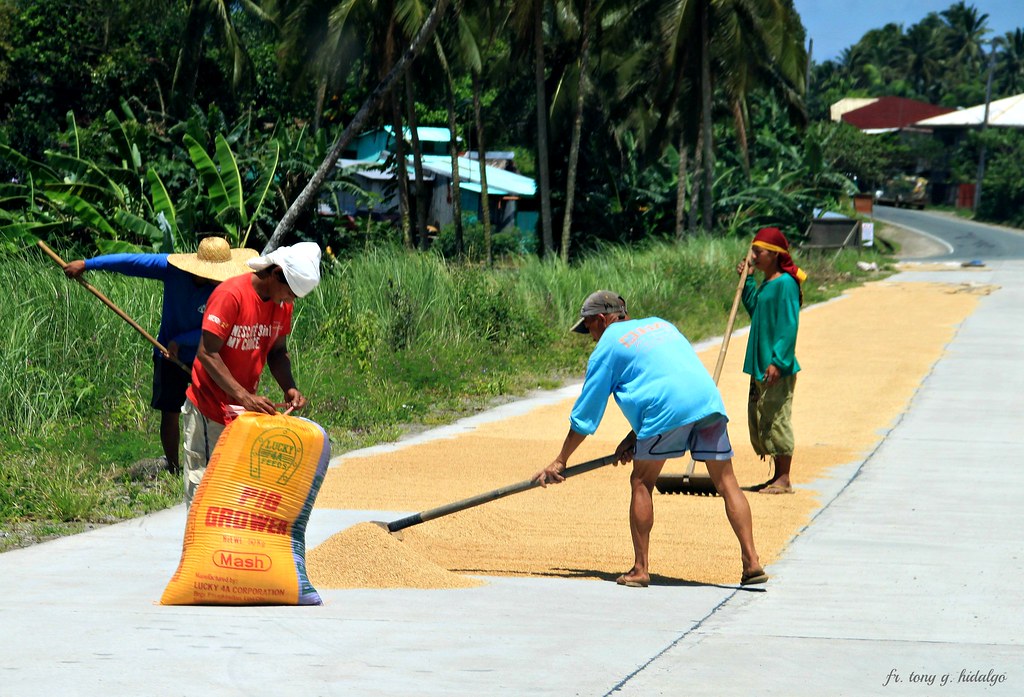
<point>1002,113</point>
<point>374,169</point>
<point>492,155</point>
<point>499,181</point>
<point>432,134</point>
<point>473,186</point>
<point>371,169</point>
<point>891,113</point>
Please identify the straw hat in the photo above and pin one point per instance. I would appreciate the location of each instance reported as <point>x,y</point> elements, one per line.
<point>214,260</point>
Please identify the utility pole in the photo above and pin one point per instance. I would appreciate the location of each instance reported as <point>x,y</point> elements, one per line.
<point>984,125</point>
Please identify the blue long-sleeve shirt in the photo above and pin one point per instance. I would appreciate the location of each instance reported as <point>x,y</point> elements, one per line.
<point>184,302</point>
<point>655,376</point>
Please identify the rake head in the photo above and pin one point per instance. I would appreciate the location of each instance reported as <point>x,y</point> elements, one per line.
<point>691,484</point>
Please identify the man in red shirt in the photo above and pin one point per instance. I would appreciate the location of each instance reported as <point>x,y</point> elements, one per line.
<point>245,327</point>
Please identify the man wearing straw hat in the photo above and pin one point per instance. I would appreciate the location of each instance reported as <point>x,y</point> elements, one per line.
<point>245,327</point>
<point>188,281</point>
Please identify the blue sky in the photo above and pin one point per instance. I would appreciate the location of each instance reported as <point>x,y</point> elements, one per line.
<point>836,25</point>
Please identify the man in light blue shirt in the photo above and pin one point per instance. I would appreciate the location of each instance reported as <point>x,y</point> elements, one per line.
<point>673,406</point>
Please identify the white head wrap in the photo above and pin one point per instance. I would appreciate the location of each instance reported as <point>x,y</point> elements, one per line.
<point>299,262</point>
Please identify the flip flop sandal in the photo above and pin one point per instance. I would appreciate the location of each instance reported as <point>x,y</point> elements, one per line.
<point>758,576</point>
<point>631,583</point>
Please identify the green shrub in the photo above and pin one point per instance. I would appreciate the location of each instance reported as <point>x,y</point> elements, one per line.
<point>510,242</point>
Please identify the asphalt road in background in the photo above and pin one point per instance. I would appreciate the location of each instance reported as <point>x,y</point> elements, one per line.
<point>964,239</point>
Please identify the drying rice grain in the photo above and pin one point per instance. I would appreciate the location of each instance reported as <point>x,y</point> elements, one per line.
<point>862,361</point>
<point>368,556</point>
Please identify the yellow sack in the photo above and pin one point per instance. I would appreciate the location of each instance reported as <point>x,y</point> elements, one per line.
<point>245,538</point>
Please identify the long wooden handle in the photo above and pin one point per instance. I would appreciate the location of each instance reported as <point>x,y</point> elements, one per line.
<point>732,320</point>
<point>489,496</point>
<point>120,313</point>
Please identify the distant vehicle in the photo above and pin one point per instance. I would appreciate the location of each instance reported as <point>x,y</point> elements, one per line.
<point>903,192</point>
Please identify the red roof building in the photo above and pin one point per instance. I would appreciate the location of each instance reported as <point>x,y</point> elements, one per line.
<point>891,113</point>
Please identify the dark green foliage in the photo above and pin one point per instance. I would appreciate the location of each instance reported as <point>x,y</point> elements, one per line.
<point>1002,197</point>
<point>83,56</point>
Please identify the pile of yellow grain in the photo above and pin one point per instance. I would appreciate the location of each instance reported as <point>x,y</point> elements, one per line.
<point>368,556</point>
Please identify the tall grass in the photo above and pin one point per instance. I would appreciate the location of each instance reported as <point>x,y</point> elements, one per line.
<point>390,340</point>
<point>380,319</point>
<point>63,353</point>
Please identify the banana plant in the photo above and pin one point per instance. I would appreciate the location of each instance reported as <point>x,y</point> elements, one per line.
<point>236,212</point>
<point>73,193</point>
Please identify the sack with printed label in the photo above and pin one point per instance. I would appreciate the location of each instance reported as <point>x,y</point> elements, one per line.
<point>245,538</point>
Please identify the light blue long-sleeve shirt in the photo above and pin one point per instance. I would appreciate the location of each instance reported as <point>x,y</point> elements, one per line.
<point>655,376</point>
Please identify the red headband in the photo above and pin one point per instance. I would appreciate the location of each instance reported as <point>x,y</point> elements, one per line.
<point>772,239</point>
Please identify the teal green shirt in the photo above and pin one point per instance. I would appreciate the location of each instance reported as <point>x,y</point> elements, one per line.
<point>774,308</point>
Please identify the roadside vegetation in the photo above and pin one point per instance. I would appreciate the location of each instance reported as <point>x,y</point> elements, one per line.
<point>391,342</point>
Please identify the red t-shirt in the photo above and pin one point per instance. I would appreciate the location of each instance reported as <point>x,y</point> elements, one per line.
<point>249,327</point>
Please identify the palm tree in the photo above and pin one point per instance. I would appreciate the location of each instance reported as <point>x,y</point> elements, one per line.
<point>730,46</point>
<point>373,102</point>
<point>871,61</point>
<point>923,57</point>
<point>320,42</point>
<point>967,29</point>
<point>453,150</point>
<point>203,17</point>
<point>476,35</point>
<point>1011,62</point>
<point>527,20</point>
<point>600,32</point>
<point>761,45</point>
<point>485,199</point>
<point>422,195</point>
<point>376,32</point>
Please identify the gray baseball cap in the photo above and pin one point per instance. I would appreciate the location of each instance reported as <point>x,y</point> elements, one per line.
<point>601,302</point>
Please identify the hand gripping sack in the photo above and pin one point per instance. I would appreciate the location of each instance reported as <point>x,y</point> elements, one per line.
<point>245,538</point>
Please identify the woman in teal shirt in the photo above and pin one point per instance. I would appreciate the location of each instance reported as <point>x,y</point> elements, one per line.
<point>774,308</point>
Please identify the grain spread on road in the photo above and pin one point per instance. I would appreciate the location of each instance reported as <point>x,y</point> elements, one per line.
<point>863,356</point>
<point>368,556</point>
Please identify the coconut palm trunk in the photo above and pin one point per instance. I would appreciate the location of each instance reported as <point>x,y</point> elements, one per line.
<point>308,194</point>
<point>681,188</point>
<point>708,164</point>
<point>485,200</point>
<point>577,128</point>
<point>422,197</point>
<point>543,170</point>
<point>183,84</point>
<point>453,148</point>
<point>401,170</point>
